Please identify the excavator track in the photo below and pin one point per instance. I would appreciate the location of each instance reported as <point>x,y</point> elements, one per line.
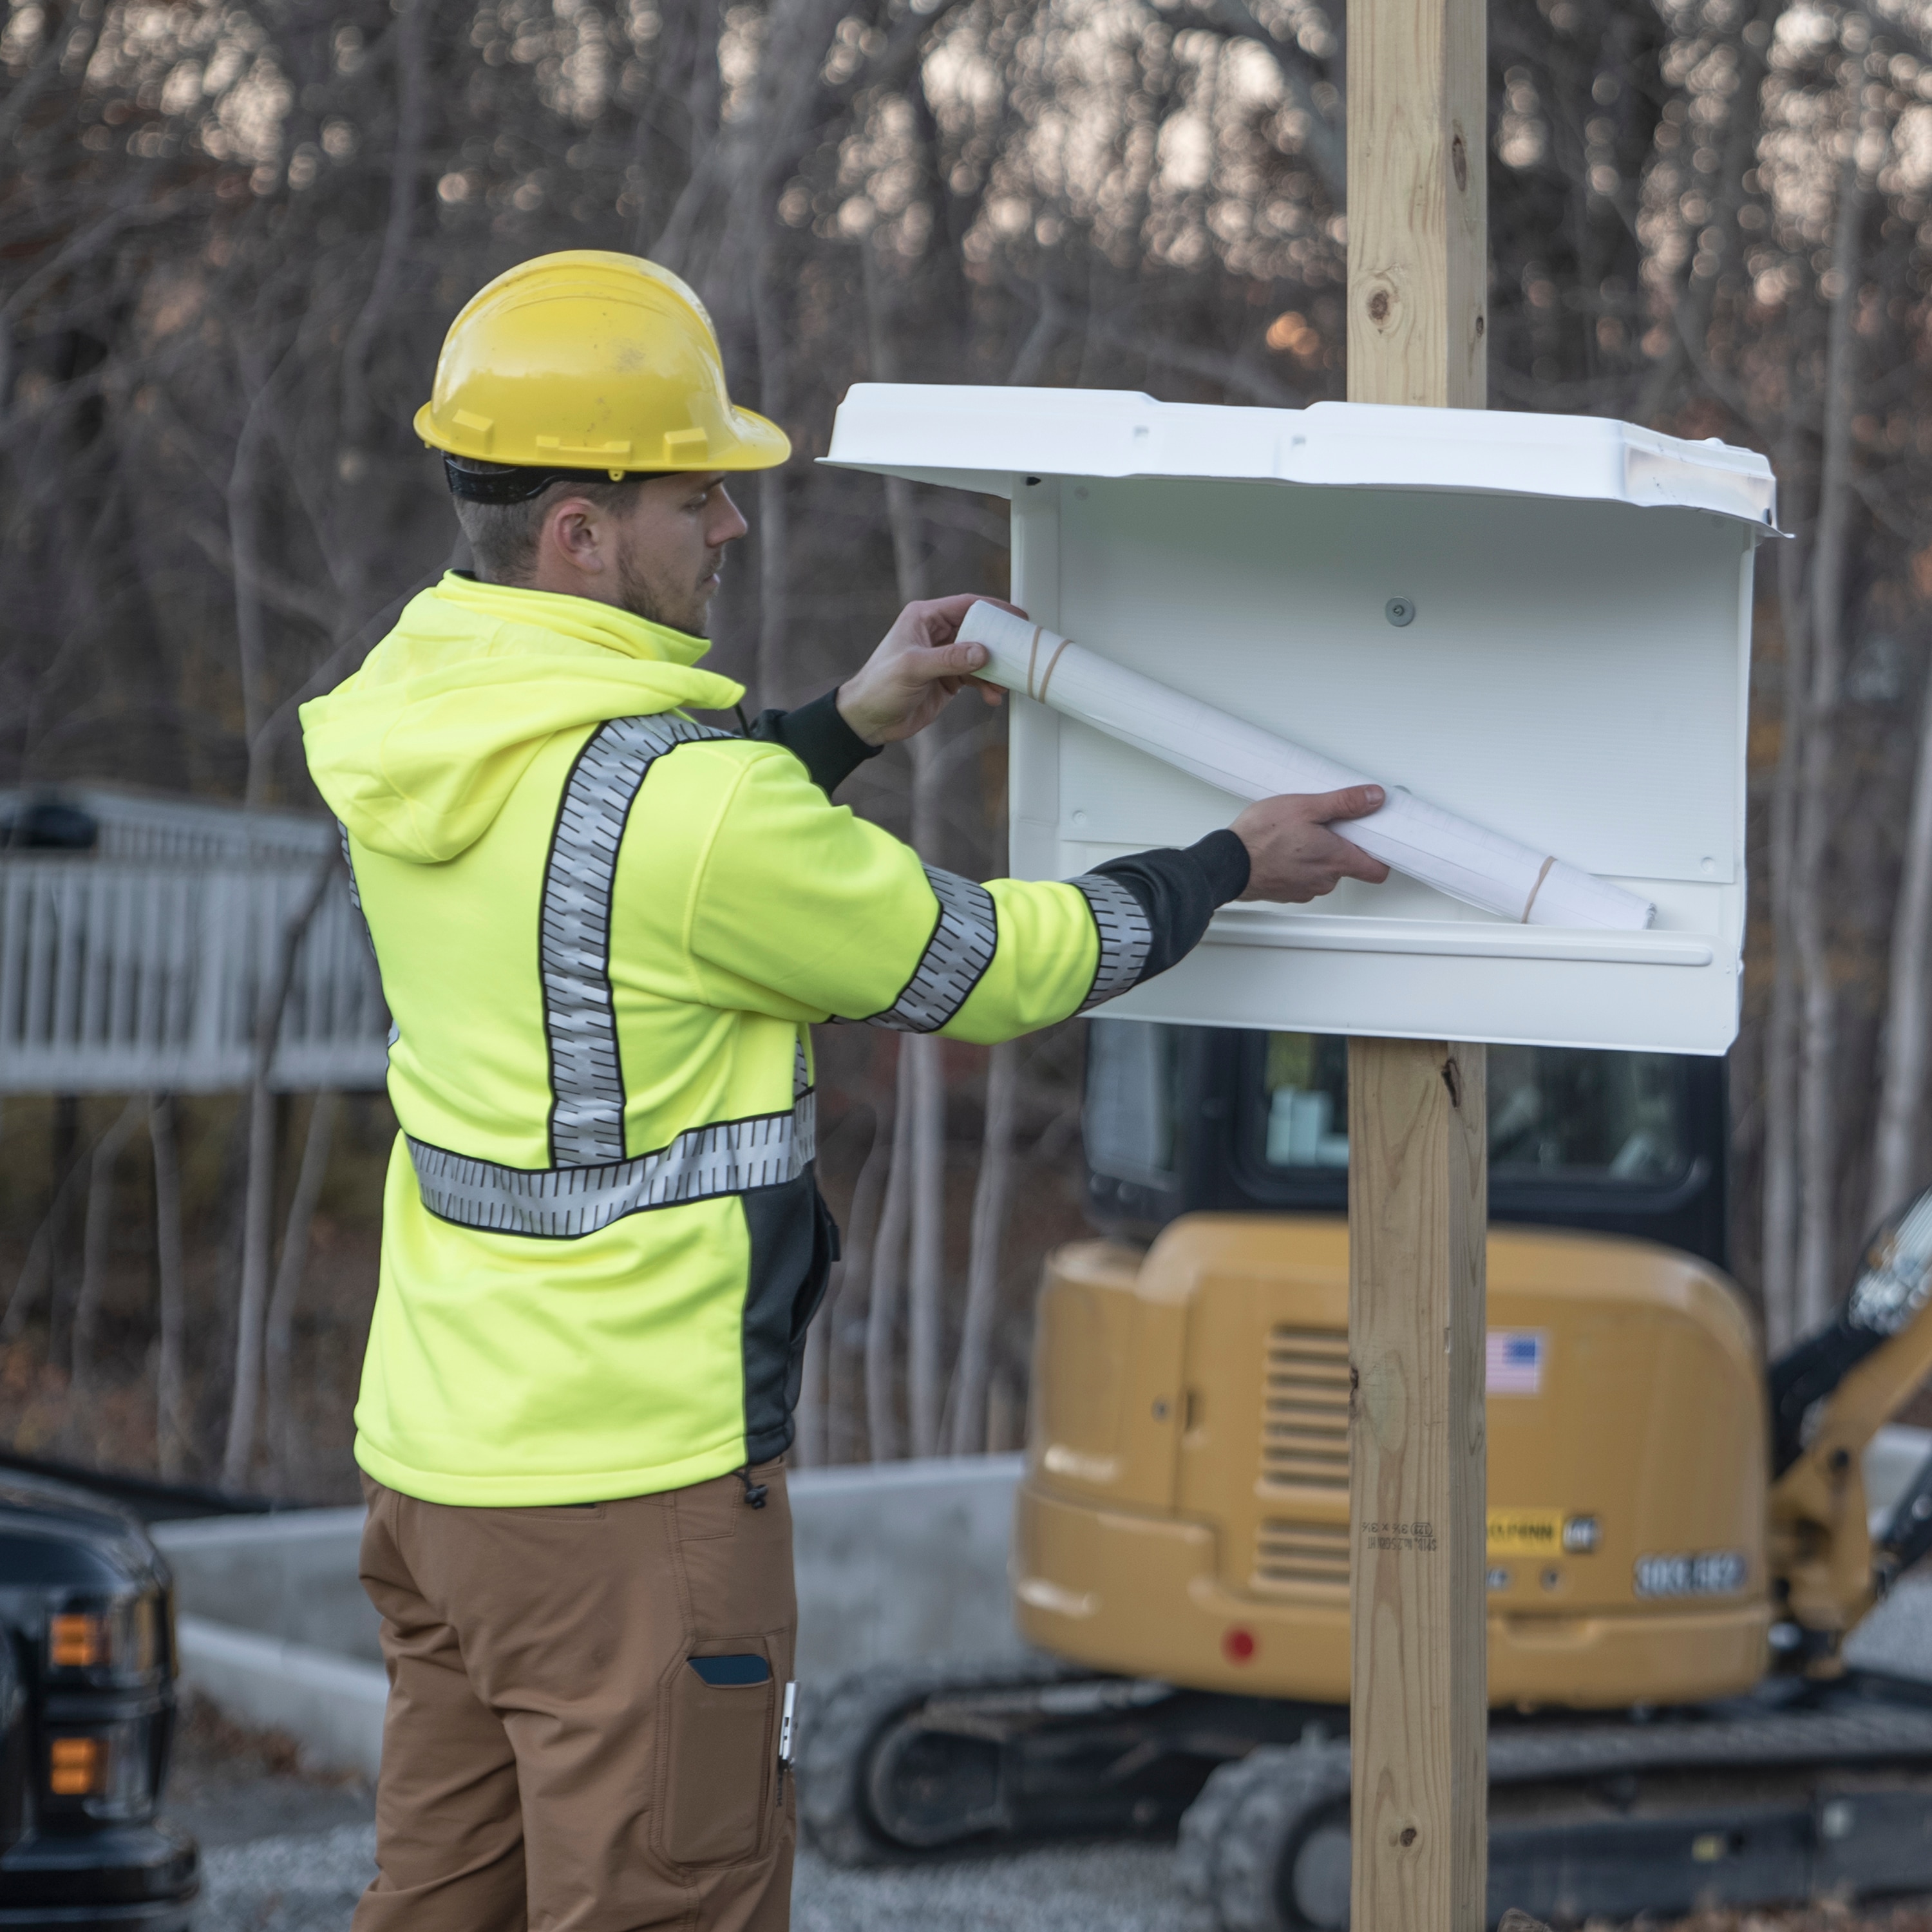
<point>842,1734</point>
<point>1745,1806</point>
<point>907,1760</point>
<point>1798,1789</point>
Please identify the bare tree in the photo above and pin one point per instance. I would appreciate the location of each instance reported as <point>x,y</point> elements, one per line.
<point>99,1226</point>
<point>926,1275</point>
<point>1780,1189</point>
<point>888,1273</point>
<point>968,1432</point>
<point>171,1421</point>
<point>244,494</point>
<point>37,1271</point>
<point>1903,1063</point>
<point>259,1201</point>
<point>850,1292</point>
<point>289,1273</point>
<point>1818,1068</point>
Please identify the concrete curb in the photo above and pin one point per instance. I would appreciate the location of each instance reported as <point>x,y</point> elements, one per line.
<point>897,1561</point>
<point>291,1575</point>
<point>333,1704</point>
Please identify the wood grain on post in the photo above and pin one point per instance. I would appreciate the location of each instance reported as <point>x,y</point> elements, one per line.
<point>1417,1198</point>
<point>1418,203</point>
<point>1418,272</point>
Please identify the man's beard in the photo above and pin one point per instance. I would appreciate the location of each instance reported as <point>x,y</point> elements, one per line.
<point>636,595</point>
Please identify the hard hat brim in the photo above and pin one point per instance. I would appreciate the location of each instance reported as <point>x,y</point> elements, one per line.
<point>757,443</point>
<point>763,445</point>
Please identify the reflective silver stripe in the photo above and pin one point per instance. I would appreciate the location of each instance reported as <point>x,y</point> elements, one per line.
<point>591,1184</point>
<point>349,866</point>
<point>1126,936</point>
<point>586,1123</point>
<point>955,957</point>
<point>561,1203</point>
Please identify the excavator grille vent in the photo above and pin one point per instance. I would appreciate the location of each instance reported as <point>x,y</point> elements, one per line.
<point>1305,1410</point>
<point>1303,1553</point>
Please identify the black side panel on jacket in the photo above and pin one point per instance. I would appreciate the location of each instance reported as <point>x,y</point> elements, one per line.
<point>794,1242</point>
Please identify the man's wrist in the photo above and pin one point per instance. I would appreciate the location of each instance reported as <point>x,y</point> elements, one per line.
<point>858,720</point>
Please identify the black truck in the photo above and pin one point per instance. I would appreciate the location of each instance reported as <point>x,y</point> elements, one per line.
<point>87,1716</point>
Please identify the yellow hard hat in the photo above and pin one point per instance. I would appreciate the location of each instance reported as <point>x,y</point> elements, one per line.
<point>586,361</point>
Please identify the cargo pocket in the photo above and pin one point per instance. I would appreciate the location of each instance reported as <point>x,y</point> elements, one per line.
<point>724,1752</point>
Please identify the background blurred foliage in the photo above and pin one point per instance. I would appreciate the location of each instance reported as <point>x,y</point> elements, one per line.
<point>232,236</point>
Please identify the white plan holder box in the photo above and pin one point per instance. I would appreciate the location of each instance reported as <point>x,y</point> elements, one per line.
<point>1573,672</point>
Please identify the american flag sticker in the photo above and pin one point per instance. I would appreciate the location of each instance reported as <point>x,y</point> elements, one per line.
<point>1514,1361</point>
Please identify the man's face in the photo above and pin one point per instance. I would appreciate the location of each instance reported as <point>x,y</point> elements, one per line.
<point>671,544</point>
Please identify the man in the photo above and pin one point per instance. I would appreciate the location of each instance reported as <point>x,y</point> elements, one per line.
<point>605,929</point>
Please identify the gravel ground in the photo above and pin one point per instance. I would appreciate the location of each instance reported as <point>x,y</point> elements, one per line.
<point>306,1882</point>
<point>231,1786</point>
<point>286,1851</point>
<point>1898,1636</point>
<point>309,1883</point>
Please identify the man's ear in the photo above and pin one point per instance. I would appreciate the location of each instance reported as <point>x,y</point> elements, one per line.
<point>577,533</point>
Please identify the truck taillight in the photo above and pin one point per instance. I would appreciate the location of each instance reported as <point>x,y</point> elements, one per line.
<point>109,1771</point>
<point>76,1641</point>
<point>76,1767</point>
<point>121,1636</point>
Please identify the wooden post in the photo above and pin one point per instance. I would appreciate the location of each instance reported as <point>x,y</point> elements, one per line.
<point>1418,268</point>
<point>1418,204</point>
<point>1417,1198</point>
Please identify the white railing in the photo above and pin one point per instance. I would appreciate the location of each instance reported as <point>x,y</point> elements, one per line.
<point>120,974</point>
<point>167,830</point>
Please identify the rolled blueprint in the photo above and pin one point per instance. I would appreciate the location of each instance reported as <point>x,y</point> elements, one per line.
<point>1481,867</point>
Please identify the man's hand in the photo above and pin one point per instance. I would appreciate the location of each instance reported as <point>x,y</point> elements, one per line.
<point>910,680</point>
<point>1293,856</point>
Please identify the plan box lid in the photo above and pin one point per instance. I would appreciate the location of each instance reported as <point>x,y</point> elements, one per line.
<point>1575,674</point>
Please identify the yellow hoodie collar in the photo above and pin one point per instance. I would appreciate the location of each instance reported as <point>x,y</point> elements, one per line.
<point>419,751</point>
<point>579,617</point>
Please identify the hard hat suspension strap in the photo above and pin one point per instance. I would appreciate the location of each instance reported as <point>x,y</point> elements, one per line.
<point>519,483</point>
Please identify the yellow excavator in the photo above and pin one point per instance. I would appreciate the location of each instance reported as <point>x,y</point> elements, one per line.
<point>1679,1539</point>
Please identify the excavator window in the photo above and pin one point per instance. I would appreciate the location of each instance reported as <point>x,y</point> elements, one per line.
<point>1555,1113</point>
<point>1128,1120</point>
<point>1180,1119</point>
<point>1307,1082</point>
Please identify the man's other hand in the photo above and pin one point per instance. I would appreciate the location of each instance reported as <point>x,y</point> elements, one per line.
<point>1293,856</point>
<point>917,670</point>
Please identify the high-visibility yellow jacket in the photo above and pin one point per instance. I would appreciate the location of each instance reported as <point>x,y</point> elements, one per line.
<point>604,930</point>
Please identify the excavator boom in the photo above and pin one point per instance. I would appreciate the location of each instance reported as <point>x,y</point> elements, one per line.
<point>1830,1395</point>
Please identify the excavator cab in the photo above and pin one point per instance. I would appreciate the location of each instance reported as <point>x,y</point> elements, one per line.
<point>1185,1510</point>
<point>1191,1120</point>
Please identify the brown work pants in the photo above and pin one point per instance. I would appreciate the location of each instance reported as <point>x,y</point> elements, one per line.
<point>551,1759</point>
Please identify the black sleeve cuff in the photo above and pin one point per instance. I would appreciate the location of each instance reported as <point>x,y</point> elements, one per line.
<point>1179,892</point>
<point>1225,859</point>
<point>820,738</point>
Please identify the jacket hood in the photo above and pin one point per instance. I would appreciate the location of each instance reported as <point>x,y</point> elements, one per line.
<point>418,752</point>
